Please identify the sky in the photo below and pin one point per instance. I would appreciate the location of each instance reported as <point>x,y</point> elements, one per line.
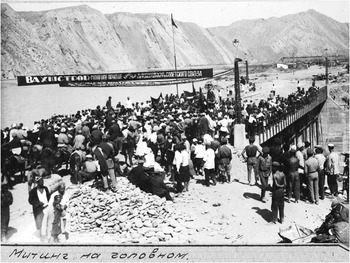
<point>203,13</point>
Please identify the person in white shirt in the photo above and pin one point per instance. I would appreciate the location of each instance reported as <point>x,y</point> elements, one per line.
<point>182,168</point>
<point>46,227</point>
<point>149,158</point>
<point>128,105</point>
<point>223,123</point>
<point>209,165</point>
<point>199,153</point>
<point>141,146</point>
<point>332,170</point>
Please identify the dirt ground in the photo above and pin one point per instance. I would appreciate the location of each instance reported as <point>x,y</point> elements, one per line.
<point>222,214</point>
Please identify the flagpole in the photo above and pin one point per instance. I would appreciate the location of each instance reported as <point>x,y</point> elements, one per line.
<point>177,87</point>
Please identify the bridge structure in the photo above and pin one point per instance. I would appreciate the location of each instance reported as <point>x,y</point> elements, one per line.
<point>301,125</point>
<point>339,58</point>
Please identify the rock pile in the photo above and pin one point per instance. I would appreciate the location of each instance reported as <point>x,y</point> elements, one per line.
<point>130,213</point>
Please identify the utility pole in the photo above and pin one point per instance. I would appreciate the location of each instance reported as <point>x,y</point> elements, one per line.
<point>326,66</point>
<point>238,107</point>
<point>326,71</point>
<point>246,71</point>
<point>172,26</point>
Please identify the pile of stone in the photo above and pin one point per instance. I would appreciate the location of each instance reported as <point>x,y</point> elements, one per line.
<point>129,213</point>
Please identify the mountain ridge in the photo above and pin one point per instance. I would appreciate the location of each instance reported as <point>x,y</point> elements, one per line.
<point>81,39</point>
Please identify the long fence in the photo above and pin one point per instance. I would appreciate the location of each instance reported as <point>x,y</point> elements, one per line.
<point>291,118</point>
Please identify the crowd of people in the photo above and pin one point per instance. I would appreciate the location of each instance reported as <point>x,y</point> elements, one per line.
<point>175,139</point>
<point>297,171</point>
<point>261,116</point>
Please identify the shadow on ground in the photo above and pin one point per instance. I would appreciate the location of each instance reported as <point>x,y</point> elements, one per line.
<point>11,231</point>
<point>264,213</point>
<point>252,196</point>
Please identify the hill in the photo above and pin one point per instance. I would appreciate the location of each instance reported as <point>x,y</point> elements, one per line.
<point>83,40</point>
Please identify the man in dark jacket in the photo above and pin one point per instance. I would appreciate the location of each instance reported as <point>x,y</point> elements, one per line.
<point>158,187</point>
<point>96,135</point>
<point>39,198</point>
<point>139,178</point>
<point>115,133</point>
<point>48,138</point>
<point>203,125</point>
<point>335,228</point>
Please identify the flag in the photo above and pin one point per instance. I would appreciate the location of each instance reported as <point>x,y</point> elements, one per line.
<point>201,101</point>
<point>156,103</point>
<point>189,95</point>
<point>172,21</point>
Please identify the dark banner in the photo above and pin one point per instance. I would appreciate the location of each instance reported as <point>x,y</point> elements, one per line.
<point>152,75</point>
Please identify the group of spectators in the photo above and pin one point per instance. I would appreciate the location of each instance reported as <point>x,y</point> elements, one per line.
<point>159,141</point>
<point>298,171</point>
<point>261,116</point>
<point>172,139</point>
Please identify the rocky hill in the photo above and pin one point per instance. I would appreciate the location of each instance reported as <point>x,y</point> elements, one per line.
<point>303,34</point>
<point>83,40</point>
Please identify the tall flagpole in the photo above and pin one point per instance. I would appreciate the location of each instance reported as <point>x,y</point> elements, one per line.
<point>172,26</point>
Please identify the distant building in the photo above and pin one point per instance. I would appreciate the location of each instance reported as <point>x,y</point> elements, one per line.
<point>282,66</point>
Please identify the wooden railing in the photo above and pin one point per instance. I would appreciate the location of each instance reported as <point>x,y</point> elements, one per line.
<point>291,118</point>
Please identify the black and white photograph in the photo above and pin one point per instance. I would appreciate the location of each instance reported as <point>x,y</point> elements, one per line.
<point>175,131</point>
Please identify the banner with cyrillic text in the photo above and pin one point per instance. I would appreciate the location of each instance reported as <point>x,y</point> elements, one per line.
<point>152,75</point>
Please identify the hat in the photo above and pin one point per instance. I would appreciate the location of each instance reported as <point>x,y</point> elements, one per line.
<point>88,156</point>
<point>330,145</point>
<point>319,147</point>
<point>266,150</point>
<point>299,145</point>
<point>293,148</point>
<point>309,152</point>
<point>276,164</point>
